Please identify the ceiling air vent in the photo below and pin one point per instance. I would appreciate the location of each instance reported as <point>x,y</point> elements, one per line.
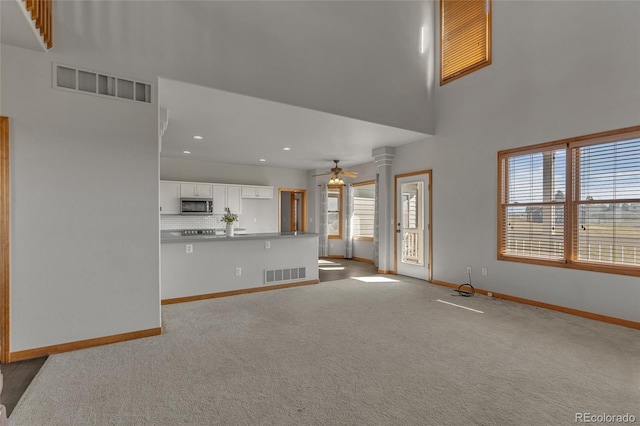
<point>96,83</point>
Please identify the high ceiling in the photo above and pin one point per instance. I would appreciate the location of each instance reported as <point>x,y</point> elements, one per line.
<point>242,130</point>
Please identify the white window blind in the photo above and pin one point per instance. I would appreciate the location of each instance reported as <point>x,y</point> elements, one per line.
<point>608,202</point>
<point>334,211</point>
<point>363,210</point>
<point>573,203</point>
<point>534,204</point>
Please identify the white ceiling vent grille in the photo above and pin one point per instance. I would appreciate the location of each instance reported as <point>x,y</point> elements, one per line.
<point>275,276</point>
<point>97,83</point>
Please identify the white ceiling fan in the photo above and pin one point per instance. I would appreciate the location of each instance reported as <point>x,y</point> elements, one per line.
<point>337,173</point>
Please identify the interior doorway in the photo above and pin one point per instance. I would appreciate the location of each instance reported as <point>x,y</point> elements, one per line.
<point>5,227</point>
<point>292,210</point>
<point>413,224</point>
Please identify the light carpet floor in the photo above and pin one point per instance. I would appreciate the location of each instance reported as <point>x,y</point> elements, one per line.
<point>346,353</point>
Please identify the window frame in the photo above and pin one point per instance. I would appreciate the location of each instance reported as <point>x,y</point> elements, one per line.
<point>486,61</point>
<point>571,204</point>
<point>339,211</point>
<point>369,182</point>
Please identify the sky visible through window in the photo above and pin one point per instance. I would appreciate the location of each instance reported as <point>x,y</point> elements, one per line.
<point>526,180</point>
<point>607,171</point>
<point>610,171</point>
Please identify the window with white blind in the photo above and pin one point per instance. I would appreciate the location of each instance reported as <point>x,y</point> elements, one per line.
<point>364,200</point>
<point>334,211</point>
<point>465,37</point>
<point>573,203</point>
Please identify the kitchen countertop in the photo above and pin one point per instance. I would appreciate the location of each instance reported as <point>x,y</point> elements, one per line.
<point>177,237</point>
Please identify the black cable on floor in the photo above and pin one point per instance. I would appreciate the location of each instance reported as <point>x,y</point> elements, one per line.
<point>464,291</point>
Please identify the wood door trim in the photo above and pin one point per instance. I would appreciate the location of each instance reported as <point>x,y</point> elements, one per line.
<point>304,206</point>
<point>292,211</point>
<point>428,224</point>
<point>5,240</point>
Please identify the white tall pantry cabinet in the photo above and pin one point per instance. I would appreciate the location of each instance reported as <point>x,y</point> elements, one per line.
<point>227,196</point>
<point>169,198</point>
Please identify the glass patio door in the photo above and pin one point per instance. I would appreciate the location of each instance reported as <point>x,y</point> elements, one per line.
<point>412,226</point>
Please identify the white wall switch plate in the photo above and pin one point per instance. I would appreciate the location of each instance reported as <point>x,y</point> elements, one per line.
<point>267,244</point>
<point>189,248</point>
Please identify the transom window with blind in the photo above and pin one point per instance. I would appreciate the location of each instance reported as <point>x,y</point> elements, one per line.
<point>573,203</point>
<point>465,37</point>
<point>364,202</point>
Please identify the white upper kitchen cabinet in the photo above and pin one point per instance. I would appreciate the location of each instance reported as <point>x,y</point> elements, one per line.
<point>196,190</point>
<point>263,192</point>
<point>227,197</point>
<point>169,198</point>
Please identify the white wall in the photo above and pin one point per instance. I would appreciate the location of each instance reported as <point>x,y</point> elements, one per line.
<point>560,69</point>
<point>212,265</point>
<point>265,212</point>
<point>84,197</point>
<point>363,249</point>
<point>356,59</point>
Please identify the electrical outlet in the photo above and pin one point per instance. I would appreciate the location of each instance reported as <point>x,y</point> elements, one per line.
<point>189,248</point>
<point>238,271</point>
<point>484,271</point>
<point>468,269</point>
<point>267,244</point>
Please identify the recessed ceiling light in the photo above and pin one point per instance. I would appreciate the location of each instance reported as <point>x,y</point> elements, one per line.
<point>197,137</point>
<point>286,149</point>
<point>186,152</point>
<point>262,159</point>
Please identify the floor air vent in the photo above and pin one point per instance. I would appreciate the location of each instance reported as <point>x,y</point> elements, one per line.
<point>96,83</point>
<point>275,276</point>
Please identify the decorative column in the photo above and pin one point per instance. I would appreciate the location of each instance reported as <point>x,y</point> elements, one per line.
<point>383,158</point>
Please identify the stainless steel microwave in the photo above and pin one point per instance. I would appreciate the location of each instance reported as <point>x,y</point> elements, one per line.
<point>196,206</point>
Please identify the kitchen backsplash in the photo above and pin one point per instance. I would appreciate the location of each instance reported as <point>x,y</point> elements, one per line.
<point>176,221</point>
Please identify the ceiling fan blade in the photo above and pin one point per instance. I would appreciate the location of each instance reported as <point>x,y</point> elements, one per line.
<point>322,174</point>
<point>350,174</point>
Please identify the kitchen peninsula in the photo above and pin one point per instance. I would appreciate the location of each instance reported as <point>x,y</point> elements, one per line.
<point>197,267</point>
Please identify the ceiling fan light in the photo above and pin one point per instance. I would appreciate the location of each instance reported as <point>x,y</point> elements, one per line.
<point>340,181</point>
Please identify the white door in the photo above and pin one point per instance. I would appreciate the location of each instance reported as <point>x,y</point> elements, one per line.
<point>412,225</point>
